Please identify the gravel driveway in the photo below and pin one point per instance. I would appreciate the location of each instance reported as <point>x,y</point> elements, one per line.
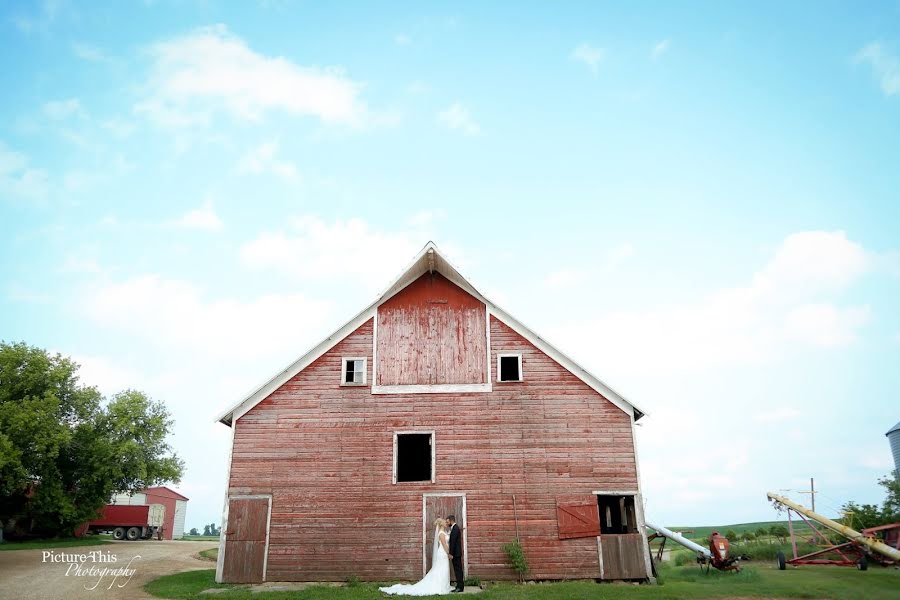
<point>25,576</point>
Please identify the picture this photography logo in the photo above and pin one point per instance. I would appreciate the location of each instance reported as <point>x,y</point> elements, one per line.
<point>96,566</point>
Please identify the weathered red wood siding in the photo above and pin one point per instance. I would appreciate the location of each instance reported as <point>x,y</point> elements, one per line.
<point>324,452</point>
<point>431,333</point>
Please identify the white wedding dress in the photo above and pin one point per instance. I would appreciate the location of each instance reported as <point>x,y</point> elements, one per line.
<point>436,581</point>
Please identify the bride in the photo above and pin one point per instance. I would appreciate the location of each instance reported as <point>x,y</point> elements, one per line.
<point>437,580</point>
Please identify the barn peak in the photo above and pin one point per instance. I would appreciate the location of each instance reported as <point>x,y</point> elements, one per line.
<point>429,260</point>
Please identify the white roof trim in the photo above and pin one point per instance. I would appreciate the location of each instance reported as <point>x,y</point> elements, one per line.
<point>428,259</point>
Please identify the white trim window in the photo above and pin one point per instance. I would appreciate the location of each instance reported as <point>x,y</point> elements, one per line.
<point>414,468</point>
<point>353,370</point>
<point>509,368</point>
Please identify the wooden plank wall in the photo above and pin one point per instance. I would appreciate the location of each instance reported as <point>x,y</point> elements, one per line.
<point>431,333</point>
<point>324,452</point>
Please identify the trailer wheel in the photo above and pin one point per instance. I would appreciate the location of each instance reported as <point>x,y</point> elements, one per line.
<point>863,564</point>
<point>119,533</point>
<point>779,558</point>
<point>133,533</point>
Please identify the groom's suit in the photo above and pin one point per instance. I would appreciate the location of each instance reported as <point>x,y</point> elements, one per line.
<point>456,552</point>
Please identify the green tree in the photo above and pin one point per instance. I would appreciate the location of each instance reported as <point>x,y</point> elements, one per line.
<point>861,516</point>
<point>213,530</point>
<point>64,451</point>
<point>193,531</point>
<point>780,532</point>
<point>731,535</point>
<point>761,532</point>
<point>748,536</point>
<point>890,509</point>
<point>206,530</point>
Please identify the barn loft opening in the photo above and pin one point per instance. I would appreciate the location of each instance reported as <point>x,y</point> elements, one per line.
<point>617,514</point>
<point>414,457</point>
<point>510,367</point>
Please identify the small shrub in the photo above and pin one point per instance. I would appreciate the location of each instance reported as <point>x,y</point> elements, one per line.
<point>352,581</point>
<point>515,556</point>
<point>473,581</point>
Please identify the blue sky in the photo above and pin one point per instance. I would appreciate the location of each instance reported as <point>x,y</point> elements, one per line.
<point>697,202</point>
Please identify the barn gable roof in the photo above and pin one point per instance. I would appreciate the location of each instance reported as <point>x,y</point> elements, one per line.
<point>429,259</point>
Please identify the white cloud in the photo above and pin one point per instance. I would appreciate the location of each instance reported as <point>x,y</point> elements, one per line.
<point>106,375</point>
<point>565,278</point>
<point>607,262</point>
<point>76,264</point>
<point>885,65</point>
<point>204,218</point>
<point>310,248</point>
<point>175,314</point>
<point>785,302</point>
<point>63,109</point>
<point>659,49</point>
<point>424,218</point>
<point>262,160</point>
<point>826,325</point>
<point>589,55</point>
<point>457,117</point>
<point>212,69</point>
<point>119,127</point>
<point>17,178</point>
<point>776,415</point>
<point>90,53</point>
<point>617,255</point>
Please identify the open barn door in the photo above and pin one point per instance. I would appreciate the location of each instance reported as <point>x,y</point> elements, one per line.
<point>621,544</point>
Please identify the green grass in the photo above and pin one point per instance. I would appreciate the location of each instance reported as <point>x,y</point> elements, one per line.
<point>200,538</point>
<point>761,581</point>
<point>91,540</point>
<point>211,554</point>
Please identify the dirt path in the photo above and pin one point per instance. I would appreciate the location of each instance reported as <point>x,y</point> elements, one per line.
<point>25,576</point>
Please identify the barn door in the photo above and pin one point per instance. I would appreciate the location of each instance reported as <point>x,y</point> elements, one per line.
<point>246,539</point>
<point>441,505</point>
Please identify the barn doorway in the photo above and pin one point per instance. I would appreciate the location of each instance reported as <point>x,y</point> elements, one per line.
<point>246,539</point>
<point>440,505</point>
<point>621,544</point>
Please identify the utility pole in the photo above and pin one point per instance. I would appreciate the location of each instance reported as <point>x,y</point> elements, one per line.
<point>812,493</point>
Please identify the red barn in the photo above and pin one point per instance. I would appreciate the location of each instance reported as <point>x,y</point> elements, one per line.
<point>431,401</point>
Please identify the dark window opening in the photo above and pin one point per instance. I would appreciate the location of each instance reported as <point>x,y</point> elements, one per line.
<point>354,371</point>
<point>509,368</point>
<point>617,514</point>
<point>414,457</point>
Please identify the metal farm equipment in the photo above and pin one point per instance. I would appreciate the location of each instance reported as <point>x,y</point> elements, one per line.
<point>716,555</point>
<point>859,548</point>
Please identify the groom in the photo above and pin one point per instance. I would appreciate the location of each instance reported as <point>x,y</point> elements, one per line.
<point>456,553</point>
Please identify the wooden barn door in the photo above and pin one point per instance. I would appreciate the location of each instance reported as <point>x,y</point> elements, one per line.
<point>441,505</point>
<point>246,539</point>
<point>622,556</point>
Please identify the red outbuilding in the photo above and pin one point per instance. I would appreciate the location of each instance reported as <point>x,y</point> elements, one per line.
<point>432,401</point>
<point>175,504</point>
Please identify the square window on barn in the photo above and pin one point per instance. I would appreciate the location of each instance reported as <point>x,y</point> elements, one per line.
<point>509,367</point>
<point>414,457</point>
<point>354,371</point>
